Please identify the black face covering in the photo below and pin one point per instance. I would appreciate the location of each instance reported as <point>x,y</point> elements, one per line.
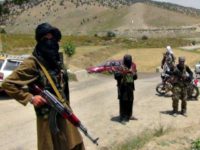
<point>48,50</point>
<point>127,61</point>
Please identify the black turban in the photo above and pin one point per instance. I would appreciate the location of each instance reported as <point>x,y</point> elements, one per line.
<point>127,61</point>
<point>44,28</point>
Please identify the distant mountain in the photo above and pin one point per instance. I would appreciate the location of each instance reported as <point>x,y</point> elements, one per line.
<point>124,17</point>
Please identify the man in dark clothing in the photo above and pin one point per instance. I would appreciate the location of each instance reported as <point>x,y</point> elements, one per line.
<point>31,72</point>
<point>125,83</point>
<point>183,75</point>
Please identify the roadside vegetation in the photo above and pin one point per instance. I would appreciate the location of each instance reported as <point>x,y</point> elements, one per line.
<point>18,42</point>
<point>165,138</point>
<point>196,144</point>
<point>139,141</point>
<point>93,50</point>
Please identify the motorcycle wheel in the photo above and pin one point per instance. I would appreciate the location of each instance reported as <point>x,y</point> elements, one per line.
<point>194,93</point>
<point>160,89</point>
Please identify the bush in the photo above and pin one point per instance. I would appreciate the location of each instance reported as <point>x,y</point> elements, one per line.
<point>69,49</point>
<point>196,145</point>
<point>144,37</point>
<point>111,34</point>
<point>95,35</point>
<point>193,42</point>
<point>3,31</point>
<point>62,3</point>
<point>20,2</point>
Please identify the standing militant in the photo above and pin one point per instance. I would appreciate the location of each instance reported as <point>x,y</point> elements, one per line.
<point>30,72</point>
<point>125,82</point>
<point>183,76</point>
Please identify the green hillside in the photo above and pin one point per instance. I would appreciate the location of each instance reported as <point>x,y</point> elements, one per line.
<point>89,17</point>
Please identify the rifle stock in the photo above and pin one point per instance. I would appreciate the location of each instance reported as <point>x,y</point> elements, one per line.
<point>65,112</point>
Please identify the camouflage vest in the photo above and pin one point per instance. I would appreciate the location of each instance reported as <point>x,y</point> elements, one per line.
<point>180,79</point>
<point>183,73</point>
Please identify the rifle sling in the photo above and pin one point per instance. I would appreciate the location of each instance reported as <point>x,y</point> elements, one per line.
<point>50,81</point>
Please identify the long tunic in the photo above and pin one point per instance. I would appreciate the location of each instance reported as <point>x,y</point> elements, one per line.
<point>27,73</point>
<point>125,92</point>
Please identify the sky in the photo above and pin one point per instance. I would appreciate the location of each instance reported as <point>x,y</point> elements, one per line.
<point>187,3</point>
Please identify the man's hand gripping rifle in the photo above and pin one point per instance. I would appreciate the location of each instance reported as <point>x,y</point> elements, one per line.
<point>63,111</point>
<point>121,70</point>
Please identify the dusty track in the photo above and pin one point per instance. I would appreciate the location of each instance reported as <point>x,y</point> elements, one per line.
<point>94,102</point>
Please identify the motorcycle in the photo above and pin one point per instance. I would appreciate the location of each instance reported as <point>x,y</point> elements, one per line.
<point>165,87</point>
<point>193,90</point>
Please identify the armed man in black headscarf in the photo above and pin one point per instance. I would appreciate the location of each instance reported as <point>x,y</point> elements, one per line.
<point>31,72</point>
<point>125,82</point>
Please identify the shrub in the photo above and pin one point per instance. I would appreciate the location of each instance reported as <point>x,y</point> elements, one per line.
<point>3,31</point>
<point>111,34</point>
<point>144,37</point>
<point>196,144</point>
<point>193,42</point>
<point>69,49</point>
<point>62,3</point>
<point>20,2</point>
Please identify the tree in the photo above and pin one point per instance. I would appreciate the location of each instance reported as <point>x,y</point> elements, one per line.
<point>20,2</point>
<point>1,9</point>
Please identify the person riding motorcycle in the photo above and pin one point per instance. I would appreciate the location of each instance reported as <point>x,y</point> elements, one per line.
<point>168,60</point>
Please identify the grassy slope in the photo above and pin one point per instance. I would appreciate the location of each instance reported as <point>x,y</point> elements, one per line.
<point>68,18</point>
<point>155,16</point>
<point>148,59</point>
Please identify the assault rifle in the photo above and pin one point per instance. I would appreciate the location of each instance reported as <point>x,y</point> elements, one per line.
<point>63,111</point>
<point>120,69</point>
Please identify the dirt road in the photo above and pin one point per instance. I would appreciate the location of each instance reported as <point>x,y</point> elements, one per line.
<point>95,103</point>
